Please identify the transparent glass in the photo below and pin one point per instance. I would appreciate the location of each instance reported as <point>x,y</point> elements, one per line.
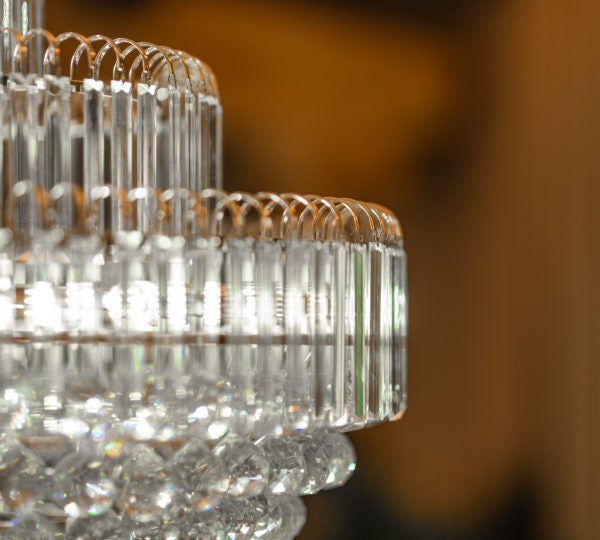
<point>174,357</point>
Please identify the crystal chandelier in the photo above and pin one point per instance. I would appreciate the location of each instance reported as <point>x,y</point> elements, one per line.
<point>177,361</point>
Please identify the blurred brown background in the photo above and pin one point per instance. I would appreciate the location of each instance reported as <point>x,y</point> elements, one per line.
<point>477,122</point>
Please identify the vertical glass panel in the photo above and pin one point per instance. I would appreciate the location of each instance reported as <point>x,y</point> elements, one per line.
<point>299,298</point>
<point>146,136</point>
<point>57,116</point>
<point>373,335</point>
<point>362,273</point>
<point>323,334</point>
<point>174,138</point>
<point>341,300</point>
<point>93,138</point>
<point>121,143</point>
<point>189,143</point>
<point>241,328</point>
<point>269,379</point>
<point>400,324</point>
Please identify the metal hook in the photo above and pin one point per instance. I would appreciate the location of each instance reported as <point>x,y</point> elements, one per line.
<point>36,32</point>
<point>344,204</point>
<point>213,225</point>
<point>19,48</point>
<point>110,44</point>
<point>289,213</point>
<point>195,69</point>
<point>178,56</point>
<point>171,54</point>
<point>248,200</point>
<point>380,225</point>
<point>79,51</point>
<point>58,40</point>
<point>152,49</point>
<point>366,213</point>
<point>210,77</point>
<point>395,228</point>
<point>133,46</point>
<point>333,213</point>
<point>309,206</point>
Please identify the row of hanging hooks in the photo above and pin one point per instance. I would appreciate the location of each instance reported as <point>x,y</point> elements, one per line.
<point>210,212</point>
<point>133,61</point>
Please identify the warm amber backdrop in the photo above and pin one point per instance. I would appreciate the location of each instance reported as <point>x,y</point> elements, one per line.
<point>480,131</point>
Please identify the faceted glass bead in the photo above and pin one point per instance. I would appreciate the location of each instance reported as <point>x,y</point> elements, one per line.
<point>202,477</point>
<point>341,458</point>
<point>268,516</point>
<point>148,489</point>
<point>14,410</point>
<point>4,508</point>
<point>106,526</point>
<point>247,465</point>
<point>239,516</point>
<point>213,413</point>
<point>148,530</point>
<point>84,483</point>
<point>32,526</point>
<point>293,516</point>
<point>315,458</point>
<point>21,472</point>
<point>148,423</point>
<point>286,464</point>
<point>206,525</point>
<point>96,412</point>
<point>51,449</point>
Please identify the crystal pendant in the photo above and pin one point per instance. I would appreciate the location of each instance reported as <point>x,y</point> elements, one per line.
<point>317,468</point>
<point>21,472</point>
<point>287,465</point>
<point>202,476</point>
<point>206,524</point>
<point>33,526</point>
<point>148,490</point>
<point>247,465</point>
<point>84,483</point>
<point>341,459</point>
<point>107,526</point>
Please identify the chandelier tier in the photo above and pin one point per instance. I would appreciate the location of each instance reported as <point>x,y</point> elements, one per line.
<point>178,361</point>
